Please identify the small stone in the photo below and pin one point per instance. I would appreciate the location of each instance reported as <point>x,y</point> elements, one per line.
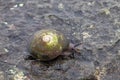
<point>61,6</point>
<point>11,8</point>
<point>17,74</point>
<point>5,23</point>
<point>91,3</point>
<point>6,50</point>
<point>86,35</point>
<point>2,75</point>
<point>12,27</point>
<point>21,5</point>
<point>15,6</point>
<point>106,11</point>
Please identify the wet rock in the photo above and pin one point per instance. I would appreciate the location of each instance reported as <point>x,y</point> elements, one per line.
<point>93,24</point>
<point>2,76</point>
<point>80,70</point>
<point>112,70</point>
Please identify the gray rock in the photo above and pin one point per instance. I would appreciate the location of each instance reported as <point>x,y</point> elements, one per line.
<point>95,25</point>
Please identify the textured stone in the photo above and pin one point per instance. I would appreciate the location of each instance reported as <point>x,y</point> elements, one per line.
<point>94,25</point>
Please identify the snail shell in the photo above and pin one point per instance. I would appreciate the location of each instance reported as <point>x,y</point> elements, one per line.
<point>47,44</point>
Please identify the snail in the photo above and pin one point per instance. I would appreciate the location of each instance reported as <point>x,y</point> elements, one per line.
<point>47,44</point>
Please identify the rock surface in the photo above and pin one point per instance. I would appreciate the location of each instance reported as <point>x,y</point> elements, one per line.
<point>95,24</point>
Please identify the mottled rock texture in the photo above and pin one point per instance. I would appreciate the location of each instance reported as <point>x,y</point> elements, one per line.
<point>95,24</point>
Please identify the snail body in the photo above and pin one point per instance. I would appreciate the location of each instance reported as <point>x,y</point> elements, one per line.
<point>47,44</point>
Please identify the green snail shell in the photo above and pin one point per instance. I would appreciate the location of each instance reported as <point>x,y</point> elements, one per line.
<point>47,44</point>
